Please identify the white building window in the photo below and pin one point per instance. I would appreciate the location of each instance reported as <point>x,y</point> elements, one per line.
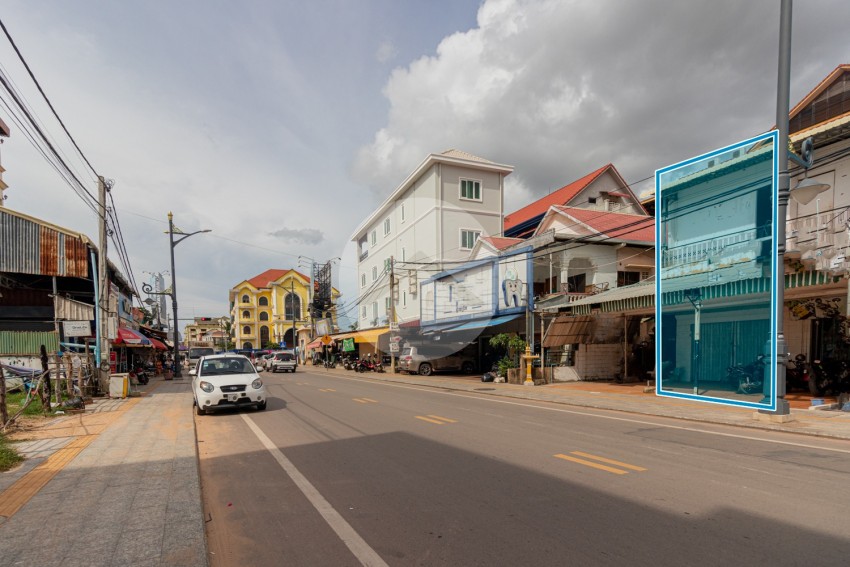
<point>387,304</point>
<point>404,299</point>
<point>470,190</point>
<point>375,310</point>
<point>374,273</point>
<point>362,280</point>
<point>373,237</point>
<point>386,226</point>
<point>363,312</point>
<point>468,238</point>
<point>402,213</point>
<point>403,255</point>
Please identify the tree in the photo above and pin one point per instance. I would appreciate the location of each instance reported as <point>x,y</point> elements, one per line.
<point>512,345</point>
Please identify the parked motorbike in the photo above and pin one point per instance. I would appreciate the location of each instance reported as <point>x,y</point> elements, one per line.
<point>348,362</point>
<point>142,376</point>
<point>797,373</point>
<point>368,365</point>
<point>828,377</point>
<point>749,377</point>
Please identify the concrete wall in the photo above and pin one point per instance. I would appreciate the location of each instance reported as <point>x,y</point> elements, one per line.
<point>599,362</point>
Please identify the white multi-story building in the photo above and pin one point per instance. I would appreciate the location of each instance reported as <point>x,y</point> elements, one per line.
<point>430,221</point>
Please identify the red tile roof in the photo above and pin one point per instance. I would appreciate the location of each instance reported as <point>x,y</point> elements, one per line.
<point>501,242</point>
<point>615,225</point>
<point>560,197</point>
<point>263,280</point>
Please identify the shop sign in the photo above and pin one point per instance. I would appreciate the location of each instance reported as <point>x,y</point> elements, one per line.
<point>76,328</point>
<point>348,345</point>
<point>395,347</point>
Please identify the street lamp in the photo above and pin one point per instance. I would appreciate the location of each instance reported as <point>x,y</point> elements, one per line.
<point>172,291</point>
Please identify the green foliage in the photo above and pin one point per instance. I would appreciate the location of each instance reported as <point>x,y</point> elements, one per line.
<point>512,345</point>
<point>8,456</point>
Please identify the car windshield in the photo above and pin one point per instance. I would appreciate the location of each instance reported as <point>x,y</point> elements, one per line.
<point>220,366</point>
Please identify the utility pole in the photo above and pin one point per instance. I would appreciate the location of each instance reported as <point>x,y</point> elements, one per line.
<point>292,297</point>
<point>103,286</point>
<point>392,310</point>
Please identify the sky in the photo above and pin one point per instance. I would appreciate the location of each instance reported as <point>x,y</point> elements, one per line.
<point>281,125</point>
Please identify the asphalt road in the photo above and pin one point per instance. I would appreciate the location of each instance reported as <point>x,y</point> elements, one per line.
<point>347,471</point>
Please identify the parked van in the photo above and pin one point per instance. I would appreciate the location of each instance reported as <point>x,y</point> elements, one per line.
<point>426,360</point>
<point>197,352</point>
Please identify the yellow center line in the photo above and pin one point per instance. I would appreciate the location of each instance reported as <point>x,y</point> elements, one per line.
<point>429,420</point>
<point>591,464</point>
<point>327,390</point>
<point>443,418</point>
<point>371,400</point>
<point>609,461</point>
<point>360,401</point>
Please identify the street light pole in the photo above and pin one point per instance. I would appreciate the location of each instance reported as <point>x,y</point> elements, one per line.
<point>171,232</point>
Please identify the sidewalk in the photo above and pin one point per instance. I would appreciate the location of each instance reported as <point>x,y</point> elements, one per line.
<point>629,398</point>
<point>117,485</point>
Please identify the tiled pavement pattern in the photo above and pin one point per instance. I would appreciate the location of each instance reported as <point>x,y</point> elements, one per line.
<point>131,497</point>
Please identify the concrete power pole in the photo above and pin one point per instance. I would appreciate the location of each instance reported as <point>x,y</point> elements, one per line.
<point>103,286</point>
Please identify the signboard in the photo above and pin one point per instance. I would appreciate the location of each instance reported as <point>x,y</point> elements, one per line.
<point>395,347</point>
<point>348,345</point>
<point>326,340</point>
<point>395,338</point>
<point>394,327</point>
<point>717,276</point>
<point>323,326</point>
<point>76,328</point>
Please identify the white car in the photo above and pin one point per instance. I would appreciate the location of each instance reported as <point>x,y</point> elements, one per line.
<point>227,381</point>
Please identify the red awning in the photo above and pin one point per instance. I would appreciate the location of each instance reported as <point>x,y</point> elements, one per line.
<point>315,344</point>
<point>129,337</point>
<point>157,344</point>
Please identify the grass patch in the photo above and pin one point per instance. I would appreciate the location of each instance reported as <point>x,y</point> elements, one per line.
<point>8,456</point>
<point>15,400</point>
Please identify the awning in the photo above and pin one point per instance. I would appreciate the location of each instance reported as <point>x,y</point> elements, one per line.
<point>482,323</point>
<point>314,344</point>
<point>568,330</point>
<point>370,335</point>
<point>129,337</point>
<point>157,344</point>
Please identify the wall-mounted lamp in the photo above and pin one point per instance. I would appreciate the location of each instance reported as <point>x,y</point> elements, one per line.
<point>807,189</point>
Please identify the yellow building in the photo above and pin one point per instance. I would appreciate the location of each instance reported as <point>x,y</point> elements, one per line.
<point>207,329</point>
<point>273,309</point>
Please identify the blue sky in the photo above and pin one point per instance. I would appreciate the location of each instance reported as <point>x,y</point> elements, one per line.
<point>282,125</point>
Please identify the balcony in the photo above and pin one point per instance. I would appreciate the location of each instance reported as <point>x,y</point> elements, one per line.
<point>364,255</point>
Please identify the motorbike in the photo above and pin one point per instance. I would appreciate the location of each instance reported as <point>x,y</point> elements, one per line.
<point>797,373</point>
<point>749,377</point>
<point>828,376</point>
<point>142,376</point>
<point>367,364</point>
<point>348,362</point>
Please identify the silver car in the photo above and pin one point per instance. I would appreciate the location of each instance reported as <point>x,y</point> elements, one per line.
<point>227,381</point>
<point>426,361</point>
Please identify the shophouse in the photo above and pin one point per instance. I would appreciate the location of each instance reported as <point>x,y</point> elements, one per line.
<point>212,330</point>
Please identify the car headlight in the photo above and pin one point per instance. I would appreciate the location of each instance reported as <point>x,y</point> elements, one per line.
<point>257,384</point>
<point>206,387</point>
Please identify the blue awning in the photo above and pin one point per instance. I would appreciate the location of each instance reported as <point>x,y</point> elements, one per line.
<point>481,323</point>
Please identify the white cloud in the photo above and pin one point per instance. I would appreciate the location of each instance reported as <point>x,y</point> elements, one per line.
<point>559,88</point>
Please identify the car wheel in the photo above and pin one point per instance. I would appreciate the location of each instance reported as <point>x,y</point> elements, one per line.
<point>199,410</point>
<point>425,369</point>
<point>467,368</point>
<point>262,406</point>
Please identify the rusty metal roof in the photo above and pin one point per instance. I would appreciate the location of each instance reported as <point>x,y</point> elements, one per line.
<point>32,246</point>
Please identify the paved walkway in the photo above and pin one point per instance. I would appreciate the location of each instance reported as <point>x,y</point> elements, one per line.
<point>120,487</point>
<point>631,398</point>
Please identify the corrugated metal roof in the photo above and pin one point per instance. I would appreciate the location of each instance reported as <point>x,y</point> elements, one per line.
<point>31,246</point>
<point>27,342</point>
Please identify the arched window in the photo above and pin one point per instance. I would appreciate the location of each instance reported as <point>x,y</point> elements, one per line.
<point>246,299</point>
<point>264,302</point>
<point>292,306</point>
<point>246,330</point>
<point>264,335</point>
<point>247,345</point>
<point>264,316</point>
<point>246,314</point>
